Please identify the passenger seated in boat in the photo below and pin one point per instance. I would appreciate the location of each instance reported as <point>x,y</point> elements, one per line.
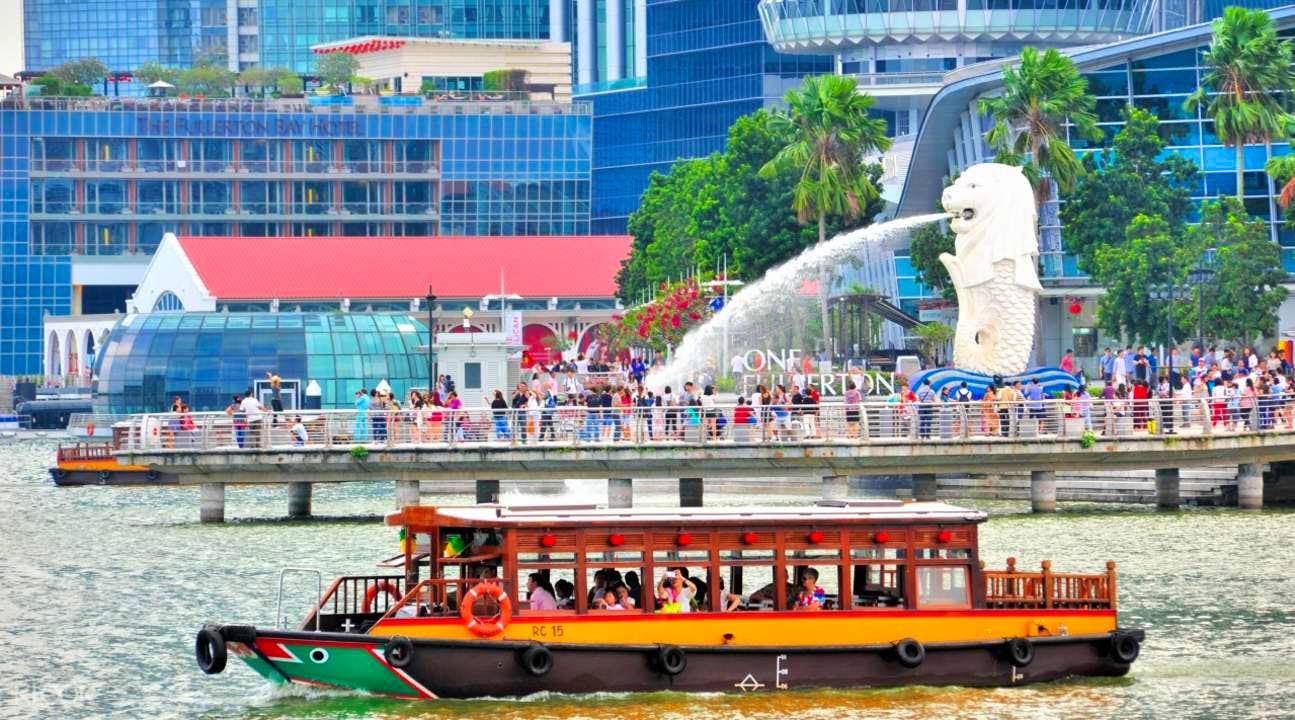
<point>604,580</point>
<point>609,601</point>
<point>700,586</point>
<point>565,593</point>
<point>624,597</point>
<point>765,596</point>
<point>675,593</point>
<point>730,601</point>
<point>540,593</point>
<point>811,596</point>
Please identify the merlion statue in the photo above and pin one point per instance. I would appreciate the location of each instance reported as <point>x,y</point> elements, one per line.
<point>994,270</point>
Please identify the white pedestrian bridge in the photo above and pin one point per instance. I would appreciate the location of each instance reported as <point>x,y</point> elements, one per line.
<point>831,440</point>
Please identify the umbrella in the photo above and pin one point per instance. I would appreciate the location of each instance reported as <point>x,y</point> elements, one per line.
<point>383,387</point>
<point>161,84</point>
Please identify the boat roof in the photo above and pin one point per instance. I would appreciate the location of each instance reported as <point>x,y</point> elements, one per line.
<point>825,512</point>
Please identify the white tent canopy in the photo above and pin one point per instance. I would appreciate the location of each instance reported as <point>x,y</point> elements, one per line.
<point>161,84</point>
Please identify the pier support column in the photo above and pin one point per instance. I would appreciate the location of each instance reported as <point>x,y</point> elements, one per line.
<point>299,499</point>
<point>1250,486</point>
<point>1169,493</point>
<point>925,487</point>
<point>690,492</point>
<point>487,492</point>
<point>211,499</point>
<point>620,493</point>
<point>406,493</point>
<point>1043,491</point>
<point>836,487</point>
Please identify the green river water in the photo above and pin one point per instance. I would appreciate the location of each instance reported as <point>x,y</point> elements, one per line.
<point>102,590</point>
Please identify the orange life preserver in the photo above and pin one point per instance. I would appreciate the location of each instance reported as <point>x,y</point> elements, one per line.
<point>486,628</point>
<point>89,429</point>
<point>372,593</point>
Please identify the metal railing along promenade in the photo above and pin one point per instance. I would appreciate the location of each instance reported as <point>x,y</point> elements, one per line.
<point>869,423</point>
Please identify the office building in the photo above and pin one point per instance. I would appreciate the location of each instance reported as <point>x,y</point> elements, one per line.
<point>88,187</point>
<point>1154,72</point>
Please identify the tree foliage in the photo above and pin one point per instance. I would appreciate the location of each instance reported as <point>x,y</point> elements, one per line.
<point>924,250</point>
<point>663,322</point>
<point>706,208</point>
<point>1248,86</point>
<point>206,78</point>
<point>1039,95</point>
<point>86,71</point>
<point>336,69</point>
<point>508,80</point>
<point>1240,302</point>
<point>151,72</point>
<point>1122,183</point>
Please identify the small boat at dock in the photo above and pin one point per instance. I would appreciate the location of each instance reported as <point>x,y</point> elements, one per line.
<point>498,601</point>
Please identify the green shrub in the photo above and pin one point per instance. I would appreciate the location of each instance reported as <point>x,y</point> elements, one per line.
<point>359,452</point>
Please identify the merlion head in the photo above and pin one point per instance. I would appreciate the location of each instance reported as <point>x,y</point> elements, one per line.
<point>994,218</point>
<point>990,195</point>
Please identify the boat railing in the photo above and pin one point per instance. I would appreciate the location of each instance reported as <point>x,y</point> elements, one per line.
<point>439,596</point>
<point>84,451</point>
<point>1013,588</point>
<point>348,595</point>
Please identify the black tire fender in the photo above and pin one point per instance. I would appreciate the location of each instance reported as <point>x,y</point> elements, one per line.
<point>671,659</point>
<point>399,651</point>
<point>153,476</point>
<point>104,477</point>
<point>536,660</point>
<point>210,651</point>
<point>60,474</point>
<point>1125,647</point>
<point>909,652</point>
<point>1019,651</point>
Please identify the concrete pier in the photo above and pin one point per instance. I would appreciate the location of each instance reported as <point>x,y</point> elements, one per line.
<point>299,494</point>
<point>690,492</point>
<point>406,492</point>
<point>211,498</point>
<point>1169,493</point>
<point>1043,491</point>
<point>620,493</point>
<point>487,492</point>
<point>836,487</point>
<point>925,487</point>
<point>1250,486</point>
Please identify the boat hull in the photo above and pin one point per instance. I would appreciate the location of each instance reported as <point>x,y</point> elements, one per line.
<point>466,669</point>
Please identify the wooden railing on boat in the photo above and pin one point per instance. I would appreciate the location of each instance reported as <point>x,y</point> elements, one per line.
<point>1012,588</point>
<point>84,451</point>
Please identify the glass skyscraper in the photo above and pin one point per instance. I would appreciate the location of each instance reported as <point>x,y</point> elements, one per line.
<point>88,186</point>
<point>123,33</point>
<point>707,64</point>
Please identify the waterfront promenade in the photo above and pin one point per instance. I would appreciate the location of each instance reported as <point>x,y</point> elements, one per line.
<point>831,441</point>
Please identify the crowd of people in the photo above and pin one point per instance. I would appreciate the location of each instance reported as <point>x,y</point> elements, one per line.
<point>678,591</point>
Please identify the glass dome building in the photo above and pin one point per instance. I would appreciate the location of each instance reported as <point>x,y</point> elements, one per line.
<point>206,357</point>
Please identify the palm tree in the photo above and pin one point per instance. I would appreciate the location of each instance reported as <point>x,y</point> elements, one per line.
<point>1039,96</point>
<point>1246,91</point>
<point>829,132</point>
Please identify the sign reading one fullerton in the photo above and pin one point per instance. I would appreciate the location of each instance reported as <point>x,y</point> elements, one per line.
<point>250,127</point>
<point>781,366</point>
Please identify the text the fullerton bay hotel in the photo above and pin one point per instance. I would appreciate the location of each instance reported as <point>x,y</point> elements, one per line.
<point>258,127</point>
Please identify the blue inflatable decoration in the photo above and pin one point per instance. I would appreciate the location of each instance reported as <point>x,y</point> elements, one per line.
<point>1053,379</point>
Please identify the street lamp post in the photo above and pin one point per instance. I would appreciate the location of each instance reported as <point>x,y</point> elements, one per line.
<point>1170,292</point>
<point>1200,277</point>
<point>431,339</point>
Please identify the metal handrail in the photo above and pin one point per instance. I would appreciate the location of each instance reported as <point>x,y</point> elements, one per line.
<point>833,423</point>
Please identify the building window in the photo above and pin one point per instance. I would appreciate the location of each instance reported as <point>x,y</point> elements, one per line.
<point>168,302</point>
<point>472,376</point>
<point>1084,341</point>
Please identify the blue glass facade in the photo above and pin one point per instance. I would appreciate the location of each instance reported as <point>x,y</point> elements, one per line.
<point>98,177</point>
<point>289,27</point>
<point>707,64</point>
<point>122,33</point>
<point>205,358</point>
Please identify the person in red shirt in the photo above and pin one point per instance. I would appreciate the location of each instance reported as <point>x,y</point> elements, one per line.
<point>1141,394</point>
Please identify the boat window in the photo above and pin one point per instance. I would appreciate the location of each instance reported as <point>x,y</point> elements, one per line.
<point>668,602</point>
<point>682,557</point>
<point>746,584</point>
<point>878,553</point>
<point>878,585</point>
<point>943,587</point>
<point>557,584</point>
<point>623,582</point>
<point>746,555</point>
<point>942,553</point>
<point>815,587</point>
<point>614,556</point>
<point>545,559</point>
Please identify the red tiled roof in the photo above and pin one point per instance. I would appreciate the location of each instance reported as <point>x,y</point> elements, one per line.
<point>247,268</point>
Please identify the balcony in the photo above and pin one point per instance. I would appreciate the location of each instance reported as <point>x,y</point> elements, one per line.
<point>827,25</point>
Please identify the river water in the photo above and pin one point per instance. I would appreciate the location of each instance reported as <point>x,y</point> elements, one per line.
<point>102,590</point>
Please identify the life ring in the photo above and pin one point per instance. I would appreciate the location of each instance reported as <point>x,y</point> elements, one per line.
<point>671,659</point>
<point>910,652</point>
<point>536,660</point>
<point>1019,651</point>
<point>372,593</point>
<point>486,627</point>
<point>209,649</point>
<point>399,651</point>
<point>1125,647</point>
